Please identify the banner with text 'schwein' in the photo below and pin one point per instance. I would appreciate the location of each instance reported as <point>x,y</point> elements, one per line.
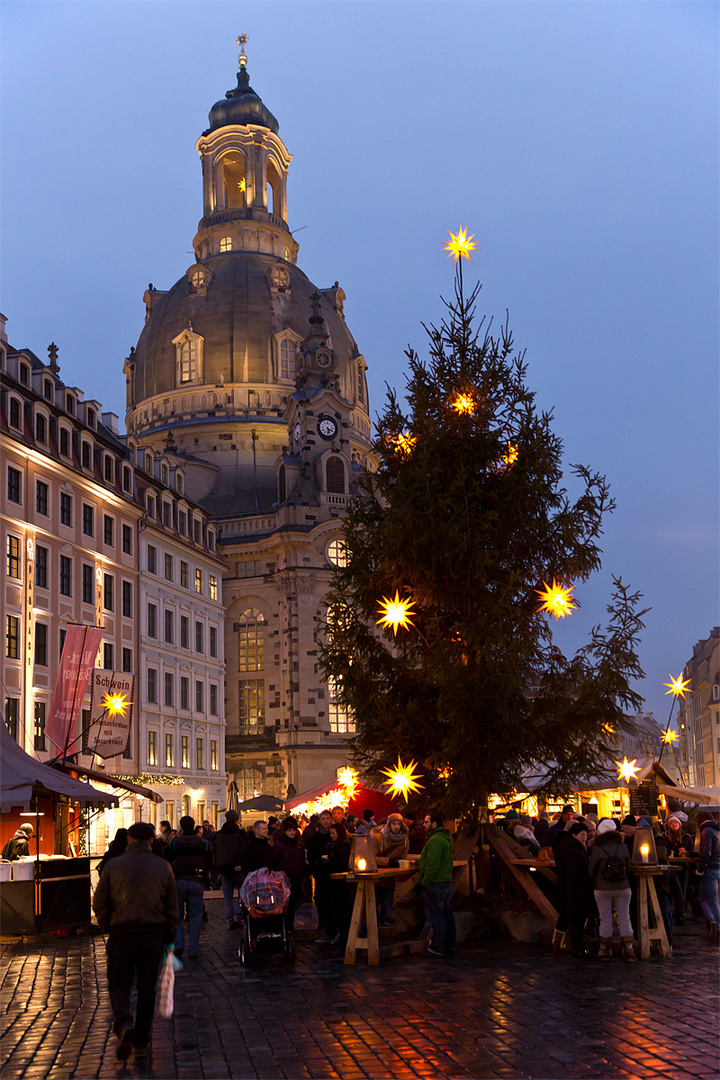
<point>111,712</point>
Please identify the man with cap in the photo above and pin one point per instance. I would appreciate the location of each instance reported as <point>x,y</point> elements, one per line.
<point>136,905</point>
<point>228,842</point>
<point>561,826</point>
<point>19,844</point>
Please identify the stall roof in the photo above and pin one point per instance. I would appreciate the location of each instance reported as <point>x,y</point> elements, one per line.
<point>698,795</point>
<point>21,777</point>
<point>110,780</point>
<point>537,776</point>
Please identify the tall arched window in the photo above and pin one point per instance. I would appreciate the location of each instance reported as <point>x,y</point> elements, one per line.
<point>188,357</point>
<point>251,640</point>
<point>287,359</point>
<point>335,475</point>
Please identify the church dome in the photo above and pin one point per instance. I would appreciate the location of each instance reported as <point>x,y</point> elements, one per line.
<point>241,106</point>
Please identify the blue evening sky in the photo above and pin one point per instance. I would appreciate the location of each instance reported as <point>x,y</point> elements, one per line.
<point>577,141</point>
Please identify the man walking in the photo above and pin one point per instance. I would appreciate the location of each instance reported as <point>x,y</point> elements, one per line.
<point>135,902</point>
<point>436,863</point>
<point>191,859</point>
<point>229,842</point>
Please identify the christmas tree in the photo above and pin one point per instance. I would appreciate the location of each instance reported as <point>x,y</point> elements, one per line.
<point>462,546</point>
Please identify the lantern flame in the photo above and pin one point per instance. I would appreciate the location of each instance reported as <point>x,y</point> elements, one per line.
<point>402,779</point>
<point>677,686</point>
<point>464,405</point>
<point>460,245</point>
<point>556,599</point>
<point>627,770</point>
<point>395,612</point>
<point>115,704</point>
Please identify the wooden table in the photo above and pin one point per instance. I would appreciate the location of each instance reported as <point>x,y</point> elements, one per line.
<point>646,933</point>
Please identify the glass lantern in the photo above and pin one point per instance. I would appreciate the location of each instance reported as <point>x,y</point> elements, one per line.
<point>362,855</point>
<point>643,852</point>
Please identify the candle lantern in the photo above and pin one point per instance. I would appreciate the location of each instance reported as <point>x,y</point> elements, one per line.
<point>644,853</point>
<point>362,854</point>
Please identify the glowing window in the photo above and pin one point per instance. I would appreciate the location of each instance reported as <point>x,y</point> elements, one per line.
<point>251,706</point>
<point>337,553</point>
<point>251,640</point>
<point>226,243</point>
<point>187,360</point>
<point>342,721</point>
<point>287,359</point>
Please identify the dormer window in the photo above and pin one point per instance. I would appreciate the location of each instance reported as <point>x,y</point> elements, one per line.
<point>179,483</point>
<point>91,418</point>
<point>149,464</point>
<point>188,357</point>
<point>40,428</point>
<point>86,455</point>
<point>15,413</point>
<point>24,375</point>
<point>64,442</point>
<point>127,478</point>
<point>70,404</point>
<point>109,469</point>
<point>48,389</point>
<point>225,243</point>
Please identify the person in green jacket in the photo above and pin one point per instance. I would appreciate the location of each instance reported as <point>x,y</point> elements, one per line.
<point>436,863</point>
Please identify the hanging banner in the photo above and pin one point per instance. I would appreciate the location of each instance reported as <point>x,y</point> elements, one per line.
<point>76,664</point>
<point>111,710</point>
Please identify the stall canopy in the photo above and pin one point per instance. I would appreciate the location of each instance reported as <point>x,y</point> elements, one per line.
<point>700,795</point>
<point>23,777</point>
<point>536,778</point>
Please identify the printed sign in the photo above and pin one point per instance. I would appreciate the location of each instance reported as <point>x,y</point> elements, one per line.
<point>76,665</point>
<point>111,711</point>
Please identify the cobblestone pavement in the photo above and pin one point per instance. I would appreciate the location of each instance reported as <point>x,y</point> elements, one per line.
<point>496,1010</point>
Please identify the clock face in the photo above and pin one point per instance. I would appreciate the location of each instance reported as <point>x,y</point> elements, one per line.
<point>322,358</point>
<point>327,427</point>
<point>297,431</point>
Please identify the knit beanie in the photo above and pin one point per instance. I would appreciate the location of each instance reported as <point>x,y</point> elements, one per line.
<point>606,825</point>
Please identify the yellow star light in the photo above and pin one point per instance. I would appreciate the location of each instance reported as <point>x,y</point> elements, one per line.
<point>460,245</point>
<point>348,779</point>
<point>402,779</point>
<point>627,770</point>
<point>677,686</point>
<point>115,703</point>
<point>556,599</point>
<point>670,736</point>
<point>395,612</point>
<point>511,454</point>
<point>241,184</point>
<point>404,443</point>
<point>464,405</point>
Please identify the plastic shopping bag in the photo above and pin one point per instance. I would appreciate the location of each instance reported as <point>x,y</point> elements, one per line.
<point>164,998</point>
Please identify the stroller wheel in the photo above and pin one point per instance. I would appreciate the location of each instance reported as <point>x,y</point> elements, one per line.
<point>290,952</point>
<point>244,953</point>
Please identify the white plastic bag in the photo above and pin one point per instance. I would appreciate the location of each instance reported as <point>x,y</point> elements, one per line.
<point>164,999</point>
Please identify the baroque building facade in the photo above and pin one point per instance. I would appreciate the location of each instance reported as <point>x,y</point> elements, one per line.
<point>247,378</point>
<point>699,713</point>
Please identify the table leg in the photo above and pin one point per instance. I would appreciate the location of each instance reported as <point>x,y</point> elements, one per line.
<point>658,933</point>
<point>373,943</point>
<point>357,918</point>
<point>643,925</point>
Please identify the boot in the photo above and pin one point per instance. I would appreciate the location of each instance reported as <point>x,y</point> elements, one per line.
<point>712,932</point>
<point>578,944</point>
<point>605,951</point>
<point>628,953</point>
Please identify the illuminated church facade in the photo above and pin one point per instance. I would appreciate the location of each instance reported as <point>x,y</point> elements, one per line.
<point>248,383</point>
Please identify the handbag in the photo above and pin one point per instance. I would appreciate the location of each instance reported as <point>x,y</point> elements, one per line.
<point>165,993</point>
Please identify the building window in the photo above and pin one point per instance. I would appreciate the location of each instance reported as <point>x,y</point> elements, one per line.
<point>127,660</point>
<point>41,643</point>
<point>152,559</point>
<point>187,353</point>
<point>48,389</point>
<point>41,497</point>
<point>199,696</point>
<point>226,243</point>
<point>182,523</point>
<point>213,641</point>
<point>152,620</point>
<point>213,587</point>
<point>184,632</point>
<point>185,751</point>
<point>287,359</point>
<point>152,685</point>
<point>335,475</point>
<point>199,644</point>
<point>199,754</point>
<point>127,540</point>
<point>40,428</point>
<point>166,514</point>
<point>341,718</point>
<point>88,525</point>
<point>168,567</point>
<point>108,592</point>
<point>108,656</point>
<point>360,384</point>
<point>12,712</point>
<point>70,404</point>
<point>169,751</point>
<point>199,582</point>
<point>41,567</point>
<point>86,454</point>
<point>213,755</point>
<point>108,530</point>
<point>169,620</point>
<point>196,534</point>
<point>12,636</point>
<point>213,699</point>
<point>15,413</point>
<point>211,539</point>
<point>251,706</point>
<point>64,442</point>
<point>13,484</point>
<point>337,553</point>
<point>87,584</point>
<point>184,692</point>
<point>13,557</point>
<point>109,469</point>
<point>24,375</point>
<point>184,575</point>
<point>65,575</point>
<point>127,599</point>
<point>65,508</point>
<point>282,485</point>
<point>152,748</point>
<point>127,478</point>
<point>169,688</point>
<point>251,640</point>
<point>150,505</point>
<point>40,714</point>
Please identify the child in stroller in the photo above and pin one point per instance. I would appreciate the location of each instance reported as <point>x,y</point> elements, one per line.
<point>264,896</point>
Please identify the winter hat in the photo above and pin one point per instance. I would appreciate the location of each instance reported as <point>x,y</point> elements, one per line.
<point>606,825</point>
<point>232,815</point>
<point>141,830</point>
<point>512,814</point>
<point>680,815</point>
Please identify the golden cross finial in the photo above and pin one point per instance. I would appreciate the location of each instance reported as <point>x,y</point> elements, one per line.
<point>242,42</point>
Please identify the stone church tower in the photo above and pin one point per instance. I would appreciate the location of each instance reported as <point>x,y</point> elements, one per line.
<point>247,383</point>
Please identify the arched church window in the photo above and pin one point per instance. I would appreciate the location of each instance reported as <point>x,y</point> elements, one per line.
<point>251,640</point>
<point>233,180</point>
<point>287,359</point>
<point>188,357</point>
<point>337,553</point>
<point>342,721</point>
<point>335,475</point>
<point>282,494</point>
<point>226,243</point>
<point>273,189</point>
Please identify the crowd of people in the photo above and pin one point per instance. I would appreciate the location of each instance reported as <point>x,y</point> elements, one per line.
<point>593,859</point>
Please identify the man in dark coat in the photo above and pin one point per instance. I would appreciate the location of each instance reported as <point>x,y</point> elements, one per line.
<point>576,901</point>
<point>191,860</point>
<point>19,844</point>
<point>228,843</point>
<point>135,902</point>
<point>318,852</point>
<point>256,852</point>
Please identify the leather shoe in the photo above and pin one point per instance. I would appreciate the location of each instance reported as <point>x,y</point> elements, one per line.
<point>125,1043</point>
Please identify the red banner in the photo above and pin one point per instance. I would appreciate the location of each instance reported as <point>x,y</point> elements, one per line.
<point>76,664</point>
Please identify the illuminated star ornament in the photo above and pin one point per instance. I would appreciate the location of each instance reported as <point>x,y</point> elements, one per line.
<point>241,184</point>
<point>395,612</point>
<point>511,454</point>
<point>402,779</point>
<point>627,770</point>
<point>556,599</point>
<point>459,245</point>
<point>677,686</point>
<point>348,779</point>
<point>670,736</point>
<point>404,443</point>
<point>464,405</point>
<point>115,703</point>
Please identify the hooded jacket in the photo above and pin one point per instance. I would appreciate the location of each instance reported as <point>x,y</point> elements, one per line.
<point>608,845</point>
<point>436,860</point>
<point>17,846</point>
<point>709,846</point>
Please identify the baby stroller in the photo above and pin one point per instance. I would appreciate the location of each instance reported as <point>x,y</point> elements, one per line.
<point>264,896</point>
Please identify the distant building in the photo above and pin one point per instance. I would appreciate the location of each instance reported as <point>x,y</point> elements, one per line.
<point>699,714</point>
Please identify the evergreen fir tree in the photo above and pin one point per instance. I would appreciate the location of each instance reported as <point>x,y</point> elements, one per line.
<point>467,518</point>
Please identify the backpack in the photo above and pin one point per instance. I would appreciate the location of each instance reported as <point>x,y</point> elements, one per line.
<point>613,867</point>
